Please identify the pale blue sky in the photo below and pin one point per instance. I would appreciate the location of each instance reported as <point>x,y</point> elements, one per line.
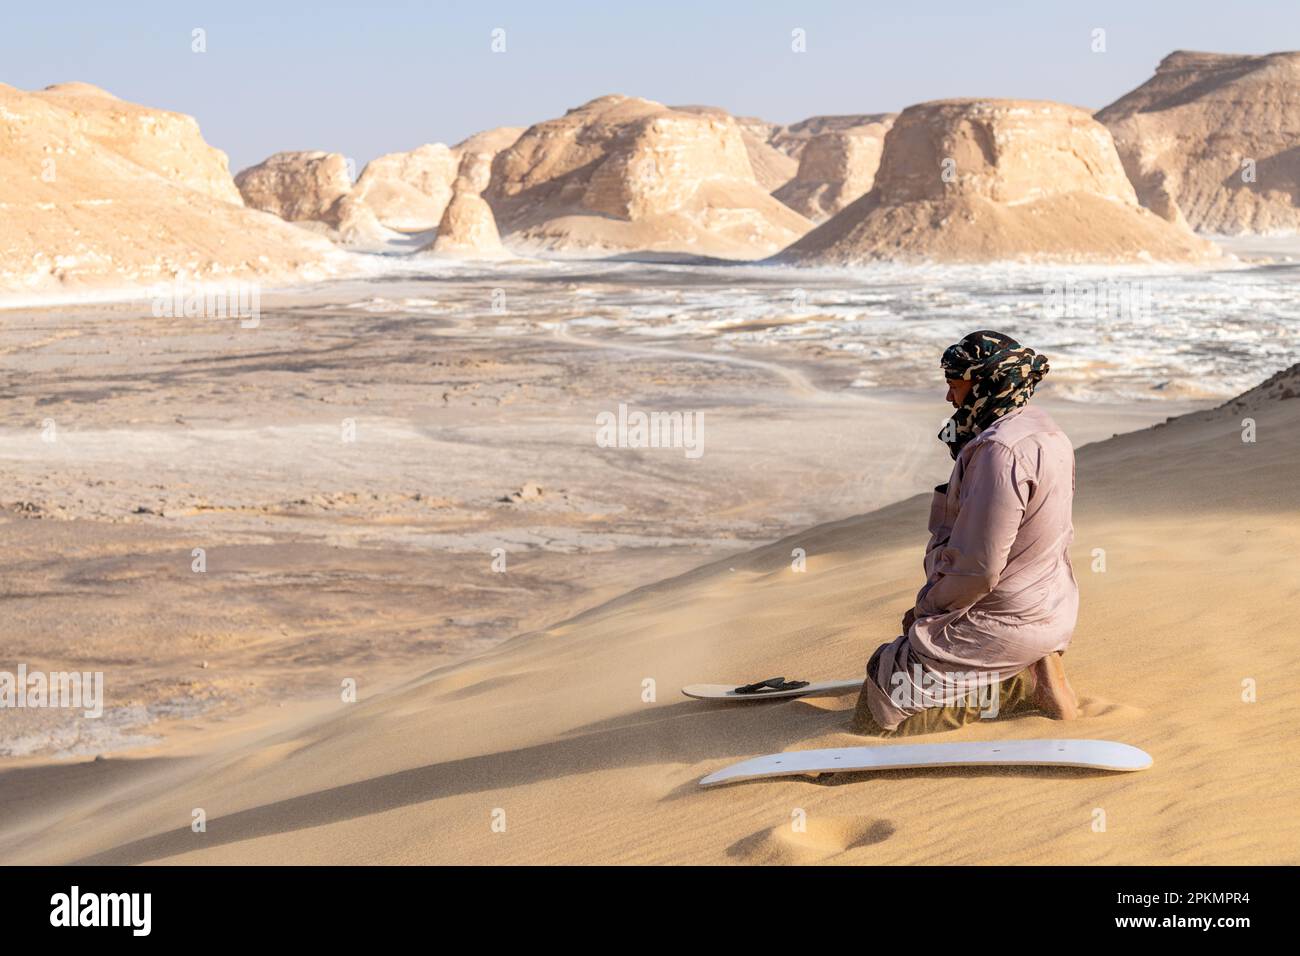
<point>368,78</point>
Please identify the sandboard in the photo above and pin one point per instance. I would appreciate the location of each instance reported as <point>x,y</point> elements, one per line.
<point>1091,754</point>
<point>828,688</point>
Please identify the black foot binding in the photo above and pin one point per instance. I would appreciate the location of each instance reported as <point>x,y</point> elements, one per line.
<point>771,684</point>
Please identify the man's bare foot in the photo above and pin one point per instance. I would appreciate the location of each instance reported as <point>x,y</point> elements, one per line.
<point>1052,693</point>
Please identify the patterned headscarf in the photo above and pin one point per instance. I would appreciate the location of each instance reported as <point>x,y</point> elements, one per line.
<point>1002,377</point>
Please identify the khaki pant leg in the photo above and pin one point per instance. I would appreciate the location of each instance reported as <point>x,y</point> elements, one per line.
<point>1013,695</point>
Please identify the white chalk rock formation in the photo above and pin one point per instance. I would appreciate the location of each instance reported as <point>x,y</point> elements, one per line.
<point>409,191</point>
<point>97,193</point>
<point>490,141</point>
<point>793,138</point>
<point>1213,140</point>
<point>990,180</point>
<point>297,186</point>
<point>772,168</point>
<point>468,229</point>
<point>623,174</point>
<point>835,168</point>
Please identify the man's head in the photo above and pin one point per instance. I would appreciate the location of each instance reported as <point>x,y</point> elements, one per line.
<point>963,360</point>
<point>989,374</point>
<point>958,391</point>
<point>966,361</point>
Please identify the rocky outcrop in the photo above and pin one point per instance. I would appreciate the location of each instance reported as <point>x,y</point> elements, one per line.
<point>297,186</point>
<point>1213,140</point>
<point>1280,387</point>
<point>99,193</point>
<point>353,223</point>
<point>793,138</point>
<point>836,166</point>
<point>468,229</point>
<point>396,193</point>
<point>168,144</point>
<point>625,174</point>
<point>490,141</point>
<point>409,191</point>
<point>987,180</point>
<point>772,168</point>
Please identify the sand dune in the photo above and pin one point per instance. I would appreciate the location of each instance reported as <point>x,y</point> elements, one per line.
<point>550,732</point>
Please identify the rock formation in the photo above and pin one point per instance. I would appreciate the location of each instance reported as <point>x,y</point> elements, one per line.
<point>625,174</point>
<point>490,141</point>
<point>1214,140</point>
<point>395,194</point>
<point>772,168</point>
<point>984,180</point>
<point>297,186</point>
<point>98,193</point>
<point>353,223</point>
<point>168,144</point>
<point>468,229</point>
<point>792,139</point>
<point>409,191</point>
<point>836,166</point>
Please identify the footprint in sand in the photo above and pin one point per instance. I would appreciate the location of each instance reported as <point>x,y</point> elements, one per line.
<point>820,838</point>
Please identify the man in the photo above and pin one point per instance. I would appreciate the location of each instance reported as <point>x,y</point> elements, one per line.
<point>1000,600</point>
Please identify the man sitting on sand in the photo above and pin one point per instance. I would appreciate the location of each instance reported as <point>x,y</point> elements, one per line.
<point>1000,600</point>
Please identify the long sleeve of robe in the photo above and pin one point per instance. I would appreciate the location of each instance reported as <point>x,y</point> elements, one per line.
<point>1000,593</point>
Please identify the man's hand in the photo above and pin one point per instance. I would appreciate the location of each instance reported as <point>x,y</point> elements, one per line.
<point>909,619</point>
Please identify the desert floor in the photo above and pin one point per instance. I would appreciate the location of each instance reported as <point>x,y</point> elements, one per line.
<point>348,469</point>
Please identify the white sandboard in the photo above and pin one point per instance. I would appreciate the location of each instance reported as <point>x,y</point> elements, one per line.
<point>1092,754</point>
<point>826,688</point>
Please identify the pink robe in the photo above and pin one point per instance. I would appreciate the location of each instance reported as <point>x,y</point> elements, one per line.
<point>1000,592</point>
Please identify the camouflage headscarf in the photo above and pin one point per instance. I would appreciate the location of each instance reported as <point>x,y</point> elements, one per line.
<point>1002,377</point>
